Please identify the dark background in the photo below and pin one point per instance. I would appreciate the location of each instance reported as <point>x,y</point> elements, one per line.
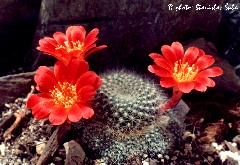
<point>21,27</point>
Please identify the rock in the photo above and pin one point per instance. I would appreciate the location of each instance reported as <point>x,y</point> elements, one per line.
<point>13,86</point>
<point>229,81</point>
<point>18,21</point>
<point>130,29</point>
<point>74,153</point>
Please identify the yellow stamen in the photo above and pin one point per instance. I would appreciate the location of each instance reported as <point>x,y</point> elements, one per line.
<point>65,94</point>
<point>71,47</point>
<point>184,72</point>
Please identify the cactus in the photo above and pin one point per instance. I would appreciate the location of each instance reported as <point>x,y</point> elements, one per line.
<point>127,122</point>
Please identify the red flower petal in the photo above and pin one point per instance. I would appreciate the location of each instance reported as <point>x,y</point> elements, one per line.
<point>190,55</point>
<point>199,87</point>
<point>37,98</point>
<point>77,69</point>
<point>42,109</point>
<point>60,71</point>
<point>204,61</point>
<point>75,113</point>
<point>178,49</point>
<point>91,37</point>
<point>60,38</point>
<point>78,33</point>
<point>201,52</point>
<point>152,68</point>
<point>205,81</point>
<point>47,44</point>
<point>186,87</point>
<point>58,115</point>
<point>210,72</point>
<point>155,56</point>
<point>98,83</point>
<point>48,47</point>
<point>51,41</point>
<point>86,93</point>
<point>86,109</point>
<point>94,50</point>
<point>45,79</point>
<point>72,72</point>
<point>69,33</point>
<point>88,78</point>
<point>169,54</point>
<point>159,71</point>
<point>164,64</point>
<point>167,82</point>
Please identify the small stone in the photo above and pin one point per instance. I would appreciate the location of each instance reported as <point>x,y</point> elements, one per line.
<point>57,160</point>
<point>145,155</point>
<point>7,105</point>
<point>231,147</point>
<point>236,139</point>
<point>192,155</point>
<point>174,158</point>
<point>218,147</point>
<point>150,162</point>
<point>74,152</point>
<point>159,156</point>
<point>208,148</point>
<point>188,146</point>
<point>99,162</point>
<point>197,163</point>
<point>40,147</point>
<point>210,159</point>
<point>19,161</point>
<point>166,157</point>
<point>185,152</point>
<point>176,152</point>
<point>2,149</point>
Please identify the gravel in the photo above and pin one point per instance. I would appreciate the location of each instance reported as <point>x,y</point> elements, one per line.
<point>198,148</point>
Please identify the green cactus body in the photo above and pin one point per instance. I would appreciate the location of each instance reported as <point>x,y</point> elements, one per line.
<point>128,122</point>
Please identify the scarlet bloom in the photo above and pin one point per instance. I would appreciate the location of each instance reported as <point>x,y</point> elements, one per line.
<point>65,93</point>
<point>74,44</point>
<point>184,71</point>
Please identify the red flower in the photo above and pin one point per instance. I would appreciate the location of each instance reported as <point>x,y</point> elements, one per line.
<point>74,44</point>
<point>184,71</point>
<point>65,93</point>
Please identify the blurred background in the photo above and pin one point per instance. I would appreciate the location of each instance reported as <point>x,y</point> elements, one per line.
<point>132,29</point>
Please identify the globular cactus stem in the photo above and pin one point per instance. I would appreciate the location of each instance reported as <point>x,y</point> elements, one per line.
<point>128,122</point>
<point>129,101</point>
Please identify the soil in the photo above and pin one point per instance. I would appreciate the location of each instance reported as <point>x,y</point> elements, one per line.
<point>212,134</point>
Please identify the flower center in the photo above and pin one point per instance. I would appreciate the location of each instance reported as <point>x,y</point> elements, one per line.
<point>65,94</point>
<point>71,47</point>
<point>184,72</point>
